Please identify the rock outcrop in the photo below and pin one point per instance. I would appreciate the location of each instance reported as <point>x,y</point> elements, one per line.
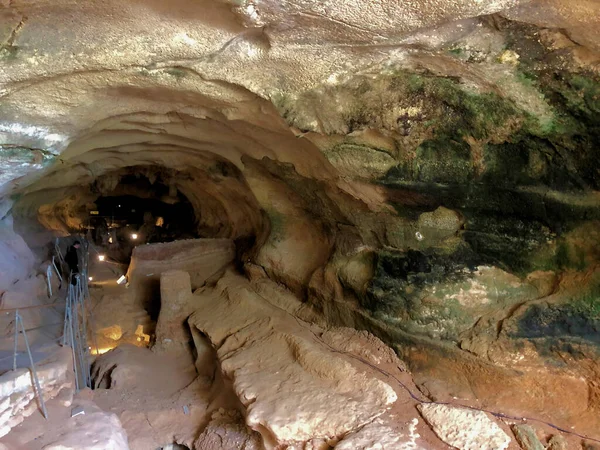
<point>200,258</point>
<point>94,430</point>
<point>295,389</point>
<point>379,435</point>
<point>18,396</point>
<point>226,431</point>
<point>176,304</point>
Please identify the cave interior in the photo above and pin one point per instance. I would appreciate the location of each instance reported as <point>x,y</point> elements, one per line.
<point>303,225</point>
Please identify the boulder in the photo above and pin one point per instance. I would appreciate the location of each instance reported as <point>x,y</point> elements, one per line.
<point>526,437</point>
<point>201,258</point>
<point>227,431</point>
<point>19,400</point>
<point>439,224</point>
<point>463,428</point>
<point>94,430</point>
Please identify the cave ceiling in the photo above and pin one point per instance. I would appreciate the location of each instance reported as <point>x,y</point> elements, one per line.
<point>110,84</point>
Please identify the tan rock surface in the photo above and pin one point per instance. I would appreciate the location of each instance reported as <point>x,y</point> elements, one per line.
<point>379,435</point>
<point>227,431</point>
<point>95,430</point>
<point>18,397</point>
<point>176,304</point>
<point>289,124</point>
<point>201,258</point>
<point>292,386</point>
<point>157,397</point>
<point>465,429</point>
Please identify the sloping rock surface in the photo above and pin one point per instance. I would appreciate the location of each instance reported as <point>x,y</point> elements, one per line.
<point>295,388</point>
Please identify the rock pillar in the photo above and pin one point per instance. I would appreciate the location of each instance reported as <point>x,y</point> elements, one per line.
<point>172,333</point>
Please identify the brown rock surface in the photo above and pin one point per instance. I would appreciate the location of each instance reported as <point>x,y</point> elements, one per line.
<point>275,362</point>
<point>176,304</point>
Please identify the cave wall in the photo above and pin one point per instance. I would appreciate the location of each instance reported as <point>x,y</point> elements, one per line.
<point>430,174</point>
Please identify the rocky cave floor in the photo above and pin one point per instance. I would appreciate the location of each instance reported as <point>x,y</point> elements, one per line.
<point>250,370</point>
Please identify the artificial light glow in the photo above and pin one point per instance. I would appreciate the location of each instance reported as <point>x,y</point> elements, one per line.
<point>101,351</point>
<point>121,279</point>
<point>90,278</point>
<point>110,240</point>
<point>134,236</point>
<point>101,257</point>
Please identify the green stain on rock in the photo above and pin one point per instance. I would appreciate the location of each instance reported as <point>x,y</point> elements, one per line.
<point>527,437</point>
<point>443,160</point>
<point>14,154</point>
<point>176,72</point>
<point>9,53</point>
<point>397,287</point>
<point>277,221</point>
<point>577,249</point>
<point>467,113</point>
<point>556,151</point>
<point>360,160</point>
<point>507,184</point>
<point>440,296</point>
<point>560,326</point>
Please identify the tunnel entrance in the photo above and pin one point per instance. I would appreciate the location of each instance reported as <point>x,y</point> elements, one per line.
<point>140,211</point>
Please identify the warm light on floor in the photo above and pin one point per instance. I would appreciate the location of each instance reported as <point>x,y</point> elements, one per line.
<point>101,351</point>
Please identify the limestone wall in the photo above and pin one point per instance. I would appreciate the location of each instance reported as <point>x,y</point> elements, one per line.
<point>17,397</point>
<point>201,258</point>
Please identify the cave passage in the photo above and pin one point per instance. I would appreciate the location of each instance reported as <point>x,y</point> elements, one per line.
<point>172,221</point>
<point>138,211</point>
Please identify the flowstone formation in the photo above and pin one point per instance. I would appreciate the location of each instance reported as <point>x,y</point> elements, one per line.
<point>425,171</point>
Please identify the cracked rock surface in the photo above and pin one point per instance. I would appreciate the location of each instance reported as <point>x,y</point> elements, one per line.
<point>291,384</point>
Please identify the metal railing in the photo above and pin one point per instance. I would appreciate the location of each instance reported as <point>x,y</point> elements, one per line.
<point>36,381</point>
<point>75,330</point>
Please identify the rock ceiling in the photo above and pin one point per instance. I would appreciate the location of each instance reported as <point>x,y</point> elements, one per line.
<point>134,76</point>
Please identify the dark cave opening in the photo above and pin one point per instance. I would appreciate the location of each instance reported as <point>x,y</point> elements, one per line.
<point>138,212</point>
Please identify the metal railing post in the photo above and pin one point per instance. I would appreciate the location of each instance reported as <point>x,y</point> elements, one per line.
<point>36,380</point>
<point>16,339</point>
